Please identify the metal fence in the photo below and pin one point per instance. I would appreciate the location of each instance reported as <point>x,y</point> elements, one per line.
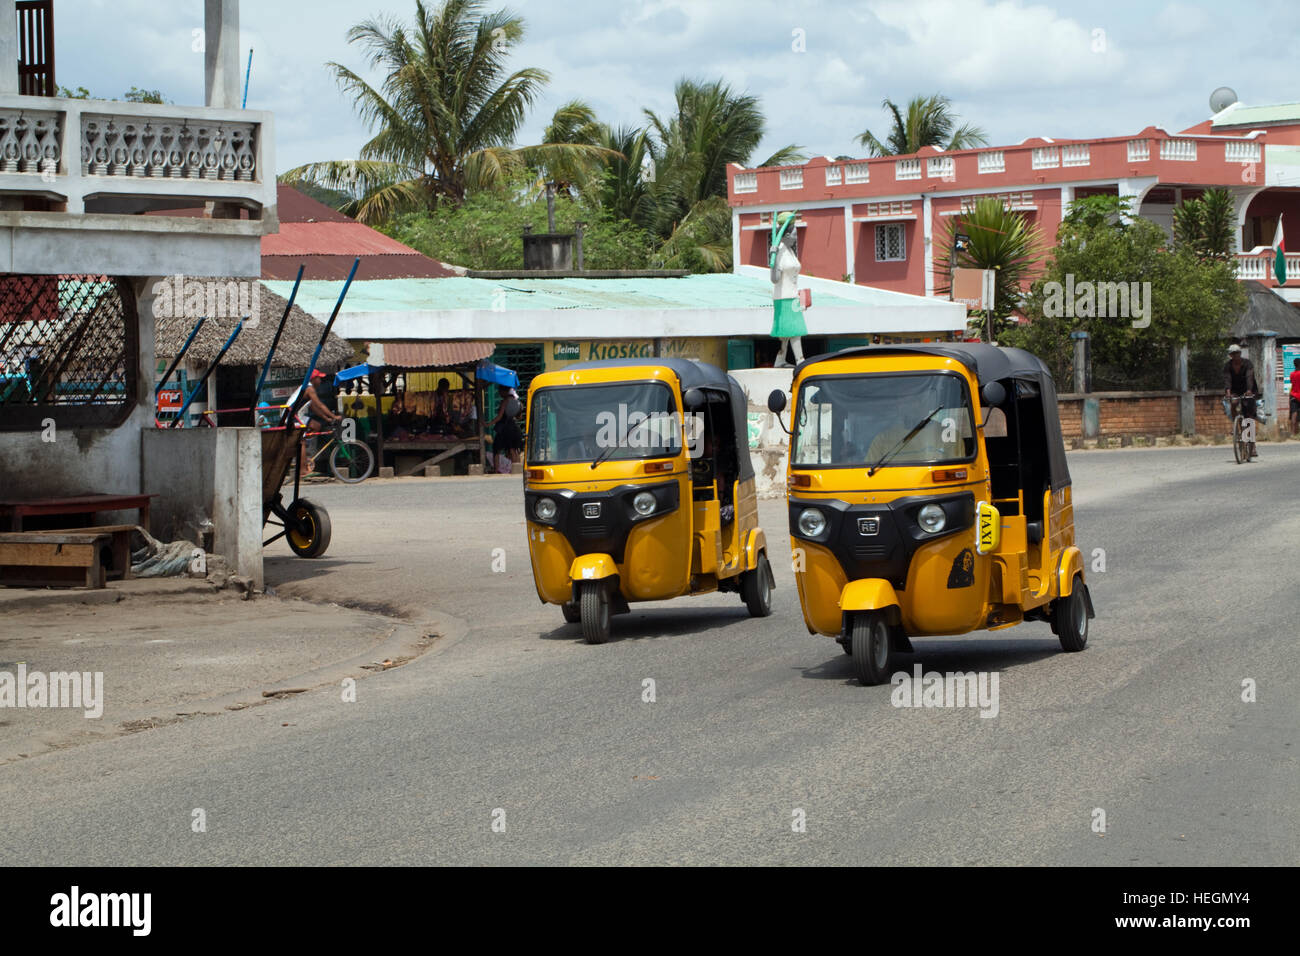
<point>68,351</point>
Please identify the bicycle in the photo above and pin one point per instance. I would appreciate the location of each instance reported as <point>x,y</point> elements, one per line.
<point>1243,426</point>
<point>350,460</point>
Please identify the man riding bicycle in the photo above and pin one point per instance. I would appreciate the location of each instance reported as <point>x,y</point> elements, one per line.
<point>1240,386</point>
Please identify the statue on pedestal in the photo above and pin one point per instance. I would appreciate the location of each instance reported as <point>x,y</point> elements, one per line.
<point>787,316</point>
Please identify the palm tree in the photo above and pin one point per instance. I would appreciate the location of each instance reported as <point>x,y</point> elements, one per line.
<point>446,114</point>
<point>1206,225</point>
<point>574,122</point>
<point>930,121</point>
<point>997,239</point>
<point>627,184</point>
<point>691,148</point>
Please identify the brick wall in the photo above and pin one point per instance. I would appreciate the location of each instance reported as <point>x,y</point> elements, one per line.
<point>1140,413</point>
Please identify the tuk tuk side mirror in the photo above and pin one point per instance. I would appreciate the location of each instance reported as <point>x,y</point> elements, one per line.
<point>776,405</point>
<point>992,395</point>
<point>693,398</point>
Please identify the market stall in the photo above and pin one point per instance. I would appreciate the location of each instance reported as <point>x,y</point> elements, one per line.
<point>413,425</point>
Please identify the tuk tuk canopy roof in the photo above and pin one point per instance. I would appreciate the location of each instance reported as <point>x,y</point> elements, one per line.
<point>990,363</point>
<point>692,373</point>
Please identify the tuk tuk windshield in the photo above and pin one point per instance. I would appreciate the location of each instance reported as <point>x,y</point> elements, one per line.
<point>616,422</point>
<point>858,420</point>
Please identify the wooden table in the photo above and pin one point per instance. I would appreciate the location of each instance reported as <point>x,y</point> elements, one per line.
<point>15,511</point>
<point>445,448</point>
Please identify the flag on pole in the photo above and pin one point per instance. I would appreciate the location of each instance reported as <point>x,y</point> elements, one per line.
<point>1279,254</point>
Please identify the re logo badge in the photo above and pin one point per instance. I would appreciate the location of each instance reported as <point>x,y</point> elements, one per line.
<point>988,528</point>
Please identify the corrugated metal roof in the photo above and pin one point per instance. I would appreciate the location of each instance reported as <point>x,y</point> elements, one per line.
<point>417,355</point>
<point>1246,115</point>
<point>331,238</point>
<point>338,267</point>
<point>721,290</point>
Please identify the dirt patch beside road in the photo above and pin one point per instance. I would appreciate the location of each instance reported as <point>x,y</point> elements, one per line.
<point>166,650</point>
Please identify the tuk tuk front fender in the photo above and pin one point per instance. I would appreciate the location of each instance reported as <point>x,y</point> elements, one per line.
<point>592,567</point>
<point>869,594</point>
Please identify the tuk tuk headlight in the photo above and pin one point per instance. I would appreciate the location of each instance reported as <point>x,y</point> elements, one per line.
<point>812,523</point>
<point>544,509</point>
<point>932,519</point>
<point>644,503</point>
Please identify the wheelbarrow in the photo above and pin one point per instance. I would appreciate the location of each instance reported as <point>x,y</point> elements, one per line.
<point>304,523</point>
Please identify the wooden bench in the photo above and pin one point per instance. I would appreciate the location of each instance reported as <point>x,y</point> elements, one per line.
<point>120,568</point>
<point>53,559</point>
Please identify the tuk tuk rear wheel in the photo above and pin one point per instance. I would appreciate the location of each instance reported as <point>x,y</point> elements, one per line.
<point>756,587</point>
<point>870,647</point>
<point>572,614</point>
<point>595,612</point>
<point>1070,618</point>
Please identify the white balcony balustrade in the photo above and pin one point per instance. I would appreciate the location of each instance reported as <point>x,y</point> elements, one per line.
<point>746,182</point>
<point>907,169</point>
<point>1139,150</point>
<point>992,162</point>
<point>857,173</point>
<point>1179,150</point>
<point>792,178</point>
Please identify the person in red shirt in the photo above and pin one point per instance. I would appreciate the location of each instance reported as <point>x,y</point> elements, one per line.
<point>1295,399</point>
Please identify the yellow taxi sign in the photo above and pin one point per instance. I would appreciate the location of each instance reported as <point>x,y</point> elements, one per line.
<point>988,528</point>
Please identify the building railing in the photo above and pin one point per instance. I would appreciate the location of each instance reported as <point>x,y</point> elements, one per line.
<point>94,155</point>
<point>1258,265</point>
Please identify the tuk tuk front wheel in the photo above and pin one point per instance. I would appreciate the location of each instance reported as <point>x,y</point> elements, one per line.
<point>756,587</point>
<point>870,648</point>
<point>1070,618</point>
<point>594,605</point>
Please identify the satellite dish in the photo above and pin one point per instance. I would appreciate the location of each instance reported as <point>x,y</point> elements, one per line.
<point>1222,98</point>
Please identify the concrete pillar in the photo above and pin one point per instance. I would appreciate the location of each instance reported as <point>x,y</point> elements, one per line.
<point>1082,363</point>
<point>735,240</point>
<point>1261,349</point>
<point>926,213</point>
<point>237,501</point>
<point>1186,397</point>
<point>850,252</point>
<point>8,47</point>
<point>221,54</point>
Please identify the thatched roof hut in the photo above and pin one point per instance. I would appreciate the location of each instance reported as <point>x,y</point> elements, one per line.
<point>297,343</point>
<point>1266,311</point>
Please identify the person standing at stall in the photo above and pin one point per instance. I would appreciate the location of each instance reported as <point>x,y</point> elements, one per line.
<point>507,439</point>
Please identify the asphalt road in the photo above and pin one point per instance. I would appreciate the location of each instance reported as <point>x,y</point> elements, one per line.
<point>517,720</point>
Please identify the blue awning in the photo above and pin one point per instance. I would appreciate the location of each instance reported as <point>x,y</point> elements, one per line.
<point>356,371</point>
<point>497,374</point>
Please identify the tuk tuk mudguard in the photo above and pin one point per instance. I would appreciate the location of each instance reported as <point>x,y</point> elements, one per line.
<point>592,567</point>
<point>755,544</point>
<point>870,594</point>
<point>1072,564</point>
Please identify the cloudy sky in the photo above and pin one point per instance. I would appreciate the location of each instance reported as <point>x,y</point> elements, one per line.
<point>819,67</point>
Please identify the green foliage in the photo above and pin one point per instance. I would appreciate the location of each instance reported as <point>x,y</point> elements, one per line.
<point>74,93</point>
<point>1001,240</point>
<point>137,95</point>
<point>484,231</point>
<point>1192,302</point>
<point>1206,226</point>
<point>930,121</point>
<point>445,115</point>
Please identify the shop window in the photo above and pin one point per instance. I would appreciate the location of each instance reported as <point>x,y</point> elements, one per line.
<point>527,359</point>
<point>890,245</point>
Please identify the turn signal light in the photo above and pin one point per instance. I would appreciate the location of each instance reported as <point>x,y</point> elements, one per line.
<point>653,467</point>
<point>801,481</point>
<point>536,474</point>
<point>949,474</point>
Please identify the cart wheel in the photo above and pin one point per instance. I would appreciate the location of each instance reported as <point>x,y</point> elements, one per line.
<point>571,613</point>
<point>595,612</point>
<point>1070,618</point>
<point>351,461</point>
<point>871,651</point>
<point>756,587</point>
<point>308,528</point>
